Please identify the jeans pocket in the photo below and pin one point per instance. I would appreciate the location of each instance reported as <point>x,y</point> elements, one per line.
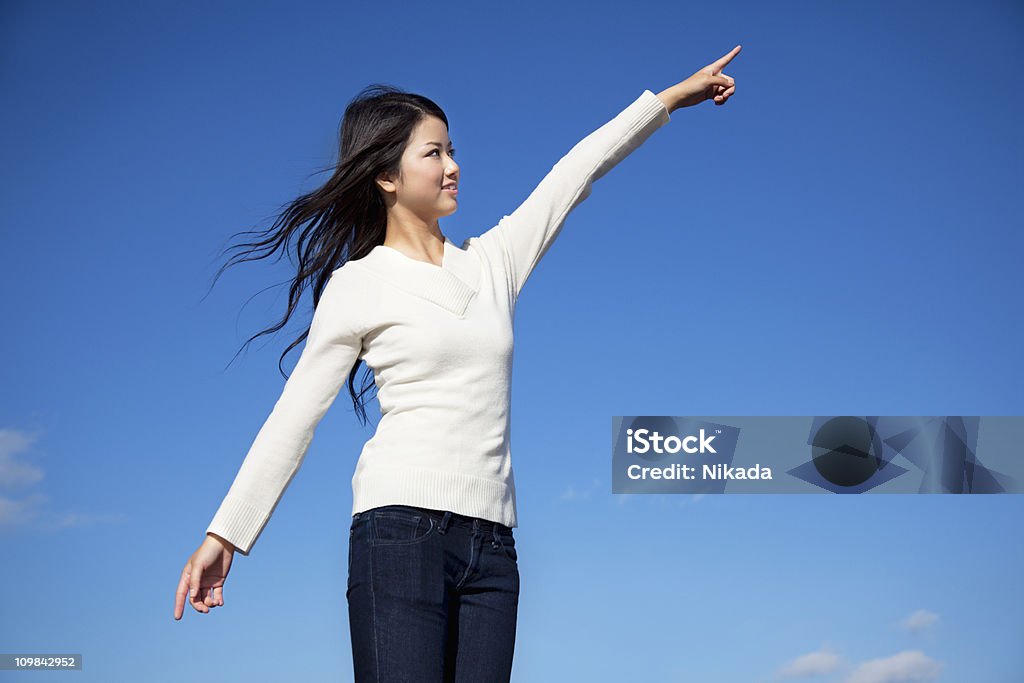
<point>507,543</point>
<point>400,526</point>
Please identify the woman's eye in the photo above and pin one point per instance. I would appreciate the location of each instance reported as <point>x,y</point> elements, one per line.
<point>451,153</point>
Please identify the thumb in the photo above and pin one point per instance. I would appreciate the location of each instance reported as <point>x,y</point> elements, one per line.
<point>721,80</point>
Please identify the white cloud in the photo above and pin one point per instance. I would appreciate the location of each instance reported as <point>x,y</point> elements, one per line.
<point>65,520</point>
<point>15,472</point>
<point>31,509</point>
<point>824,661</point>
<point>572,493</point>
<point>920,620</point>
<point>688,499</point>
<point>909,666</point>
<point>680,499</point>
<point>20,512</point>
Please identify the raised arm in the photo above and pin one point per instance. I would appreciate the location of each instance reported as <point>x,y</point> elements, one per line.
<point>332,348</point>
<point>528,232</point>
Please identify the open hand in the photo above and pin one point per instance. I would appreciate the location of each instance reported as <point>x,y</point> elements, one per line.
<point>709,83</point>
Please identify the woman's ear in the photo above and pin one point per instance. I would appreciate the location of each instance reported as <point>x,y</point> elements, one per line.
<point>384,182</point>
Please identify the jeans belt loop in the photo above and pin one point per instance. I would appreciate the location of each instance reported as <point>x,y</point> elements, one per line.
<point>444,522</point>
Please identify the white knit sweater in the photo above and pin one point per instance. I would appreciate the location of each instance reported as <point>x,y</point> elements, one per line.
<point>439,341</point>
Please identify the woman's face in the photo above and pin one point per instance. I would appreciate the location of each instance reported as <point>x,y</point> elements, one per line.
<point>428,164</point>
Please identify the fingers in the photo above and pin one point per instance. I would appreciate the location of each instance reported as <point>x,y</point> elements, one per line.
<point>195,594</point>
<point>723,96</point>
<point>199,604</point>
<point>723,61</point>
<point>212,596</point>
<point>190,585</point>
<point>723,93</point>
<point>210,599</point>
<point>179,596</point>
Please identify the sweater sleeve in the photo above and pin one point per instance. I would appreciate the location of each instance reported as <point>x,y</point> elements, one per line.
<point>332,348</point>
<point>529,231</point>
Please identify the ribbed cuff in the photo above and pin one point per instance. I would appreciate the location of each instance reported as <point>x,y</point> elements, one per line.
<point>650,109</point>
<point>238,522</point>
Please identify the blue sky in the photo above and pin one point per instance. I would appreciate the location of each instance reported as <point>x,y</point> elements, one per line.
<point>839,239</point>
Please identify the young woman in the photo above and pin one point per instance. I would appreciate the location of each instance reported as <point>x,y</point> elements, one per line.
<point>433,577</point>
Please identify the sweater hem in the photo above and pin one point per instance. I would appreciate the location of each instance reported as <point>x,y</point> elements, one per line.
<point>437,490</point>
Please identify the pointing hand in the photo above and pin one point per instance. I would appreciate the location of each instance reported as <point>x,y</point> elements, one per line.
<point>202,579</point>
<point>709,83</point>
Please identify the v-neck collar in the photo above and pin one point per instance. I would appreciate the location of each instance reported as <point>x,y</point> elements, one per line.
<point>444,254</point>
<point>452,285</point>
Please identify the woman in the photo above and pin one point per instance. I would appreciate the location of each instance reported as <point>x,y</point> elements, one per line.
<point>433,584</point>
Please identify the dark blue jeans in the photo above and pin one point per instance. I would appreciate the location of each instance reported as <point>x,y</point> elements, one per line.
<point>432,596</point>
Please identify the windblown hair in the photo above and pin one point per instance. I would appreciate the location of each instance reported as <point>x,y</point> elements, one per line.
<point>346,217</point>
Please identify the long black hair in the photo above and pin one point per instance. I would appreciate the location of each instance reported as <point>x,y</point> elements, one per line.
<point>346,217</point>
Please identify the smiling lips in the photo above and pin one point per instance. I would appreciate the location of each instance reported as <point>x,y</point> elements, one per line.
<point>453,188</point>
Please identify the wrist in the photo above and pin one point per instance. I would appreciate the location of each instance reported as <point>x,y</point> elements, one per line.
<point>669,99</point>
<point>223,541</point>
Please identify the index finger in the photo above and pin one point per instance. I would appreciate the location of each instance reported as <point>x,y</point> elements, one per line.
<point>179,597</point>
<point>723,61</point>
